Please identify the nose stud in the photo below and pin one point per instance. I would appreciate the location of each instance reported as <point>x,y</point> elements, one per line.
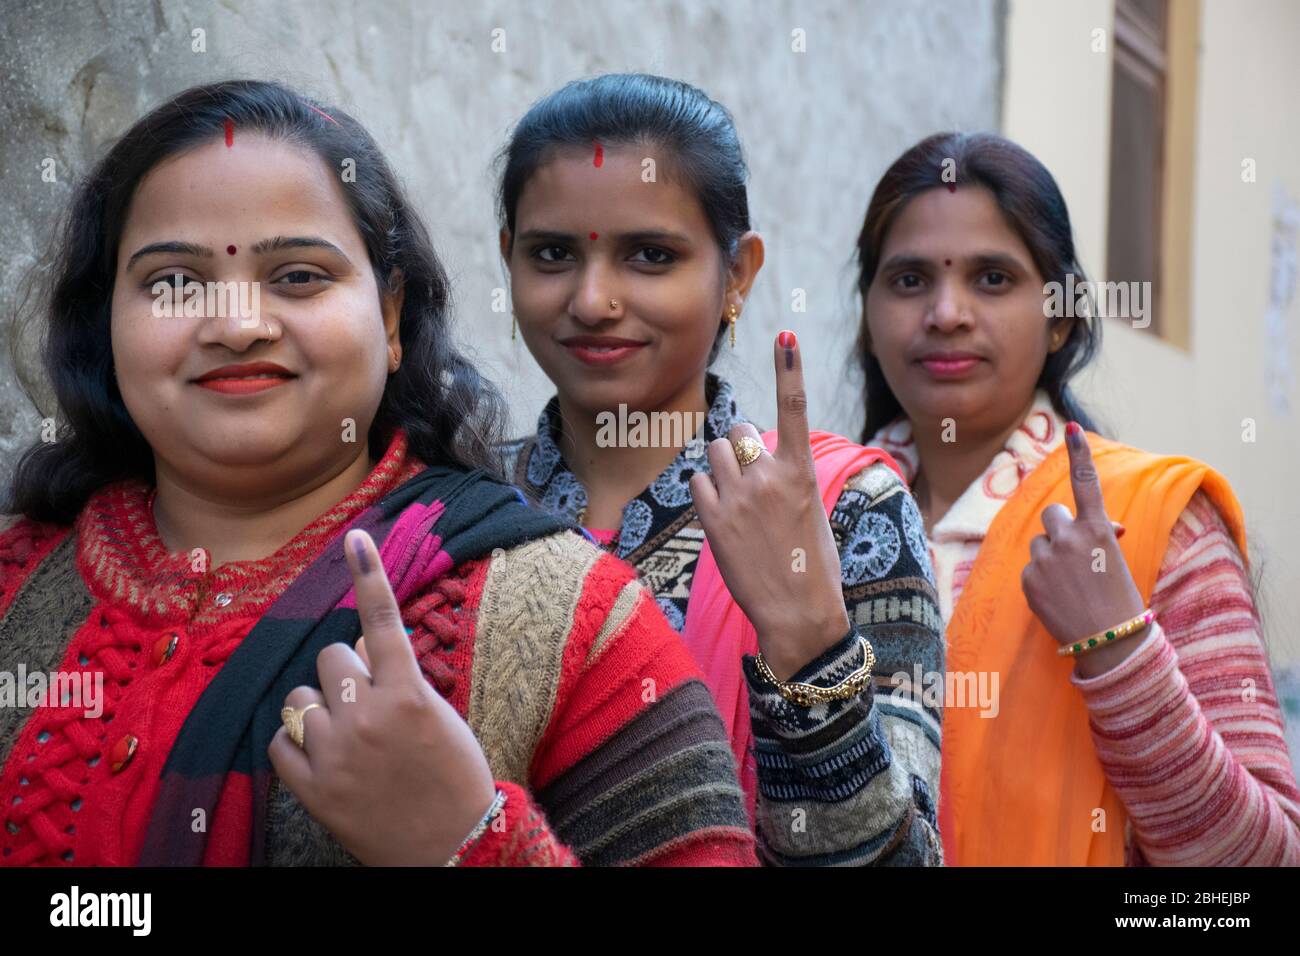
<point>613,305</point>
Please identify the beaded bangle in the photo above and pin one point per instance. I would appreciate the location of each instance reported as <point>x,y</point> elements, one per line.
<point>806,695</point>
<point>1102,638</point>
<point>493,809</point>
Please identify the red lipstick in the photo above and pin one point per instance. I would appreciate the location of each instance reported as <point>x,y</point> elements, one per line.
<point>245,379</point>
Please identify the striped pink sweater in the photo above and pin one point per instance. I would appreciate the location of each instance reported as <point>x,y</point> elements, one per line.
<point>1188,727</point>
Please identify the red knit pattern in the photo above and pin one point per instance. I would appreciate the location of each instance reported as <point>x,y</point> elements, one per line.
<point>61,761</point>
<point>62,804</point>
<point>521,838</point>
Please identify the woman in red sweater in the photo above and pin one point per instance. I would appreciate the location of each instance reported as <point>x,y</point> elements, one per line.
<point>248,338</point>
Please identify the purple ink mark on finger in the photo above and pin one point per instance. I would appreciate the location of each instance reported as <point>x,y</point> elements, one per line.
<point>787,341</point>
<point>599,159</point>
<point>230,133</point>
<point>363,559</point>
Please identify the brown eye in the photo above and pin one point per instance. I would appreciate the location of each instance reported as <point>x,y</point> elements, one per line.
<point>301,280</point>
<point>551,253</point>
<point>653,255</point>
<point>173,279</point>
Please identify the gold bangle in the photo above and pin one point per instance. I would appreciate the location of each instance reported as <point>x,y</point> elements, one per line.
<point>806,695</point>
<point>1108,636</point>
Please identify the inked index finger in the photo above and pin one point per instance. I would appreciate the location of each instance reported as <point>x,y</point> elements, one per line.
<point>791,401</point>
<point>392,659</point>
<point>1089,503</point>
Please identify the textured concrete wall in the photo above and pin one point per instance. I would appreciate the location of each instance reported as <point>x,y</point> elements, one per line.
<point>819,127</point>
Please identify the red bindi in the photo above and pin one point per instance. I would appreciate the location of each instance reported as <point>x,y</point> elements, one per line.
<point>952,187</point>
<point>594,236</point>
<point>599,158</point>
<point>230,250</point>
<point>947,262</point>
<point>230,133</point>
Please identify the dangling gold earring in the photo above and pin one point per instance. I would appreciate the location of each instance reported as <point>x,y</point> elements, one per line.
<point>513,323</point>
<point>732,312</point>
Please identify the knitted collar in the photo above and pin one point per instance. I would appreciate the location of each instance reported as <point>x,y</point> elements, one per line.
<point>562,493</point>
<point>1041,432</point>
<point>126,564</point>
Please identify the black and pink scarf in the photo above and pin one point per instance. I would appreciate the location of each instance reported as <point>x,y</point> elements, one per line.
<point>218,772</point>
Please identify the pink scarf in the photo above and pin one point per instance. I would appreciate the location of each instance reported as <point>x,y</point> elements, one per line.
<point>717,632</point>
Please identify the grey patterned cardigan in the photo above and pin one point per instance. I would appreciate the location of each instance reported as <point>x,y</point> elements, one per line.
<point>850,783</point>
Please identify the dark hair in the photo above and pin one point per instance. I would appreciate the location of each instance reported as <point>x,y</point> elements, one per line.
<point>450,414</point>
<point>1033,206</point>
<point>621,109</point>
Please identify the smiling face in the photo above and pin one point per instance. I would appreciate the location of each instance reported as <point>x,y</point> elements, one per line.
<point>586,235</point>
<point>955,313</point>
<point>263,212</point>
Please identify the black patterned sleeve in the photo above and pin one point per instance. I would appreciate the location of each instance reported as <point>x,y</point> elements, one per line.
<point>856,782</point>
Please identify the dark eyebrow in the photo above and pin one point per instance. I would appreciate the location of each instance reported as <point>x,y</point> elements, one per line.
<point>644,235</point>
<point>181,248</point>
<point>550,235</point>
<point>907,261</point>
<point>655,235</point>
<point>999,260</point>
<point>299,242</point>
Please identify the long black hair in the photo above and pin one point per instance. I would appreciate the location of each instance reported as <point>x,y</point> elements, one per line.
<point>623,109</point>
<point>1033,206</point>
<point>450,414</point>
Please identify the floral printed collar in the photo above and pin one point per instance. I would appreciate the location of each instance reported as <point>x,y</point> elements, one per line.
<point>1042,431</point>
<point>662,501</point>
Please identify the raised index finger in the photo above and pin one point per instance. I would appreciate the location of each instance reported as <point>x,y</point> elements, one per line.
<point>1089,505</point>
<point>392,659</point>
<point>791,401</point>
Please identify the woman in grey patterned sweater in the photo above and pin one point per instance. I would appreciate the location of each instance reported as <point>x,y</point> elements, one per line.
<point>625,228</point>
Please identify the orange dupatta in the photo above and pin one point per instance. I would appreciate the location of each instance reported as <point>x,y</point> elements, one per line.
<point>1023,788</point>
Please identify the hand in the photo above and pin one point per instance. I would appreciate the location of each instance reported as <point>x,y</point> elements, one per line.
<point>1061,586</point>
<point>387,765</point>
<point>760,517</point>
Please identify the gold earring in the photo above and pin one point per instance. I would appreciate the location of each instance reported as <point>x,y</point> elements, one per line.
<point>732,313</point>
<point>513,323</point>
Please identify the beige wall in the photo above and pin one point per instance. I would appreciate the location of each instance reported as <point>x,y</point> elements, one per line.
<point>1146,392</point>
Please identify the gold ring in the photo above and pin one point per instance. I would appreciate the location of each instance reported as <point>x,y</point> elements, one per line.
<point>747,450</point>
<point>293,721</point>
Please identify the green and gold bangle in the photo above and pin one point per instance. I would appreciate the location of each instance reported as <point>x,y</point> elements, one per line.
<point>1108,636</point>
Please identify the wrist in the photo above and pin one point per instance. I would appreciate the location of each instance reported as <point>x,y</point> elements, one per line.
<point>1106,659</point>
<point>791,646</point>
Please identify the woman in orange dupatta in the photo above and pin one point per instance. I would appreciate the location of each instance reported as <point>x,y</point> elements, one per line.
<point>1157,742</point>
<point>805,547</point>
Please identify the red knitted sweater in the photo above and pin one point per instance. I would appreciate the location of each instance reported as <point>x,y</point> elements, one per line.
<point>78,789</point>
